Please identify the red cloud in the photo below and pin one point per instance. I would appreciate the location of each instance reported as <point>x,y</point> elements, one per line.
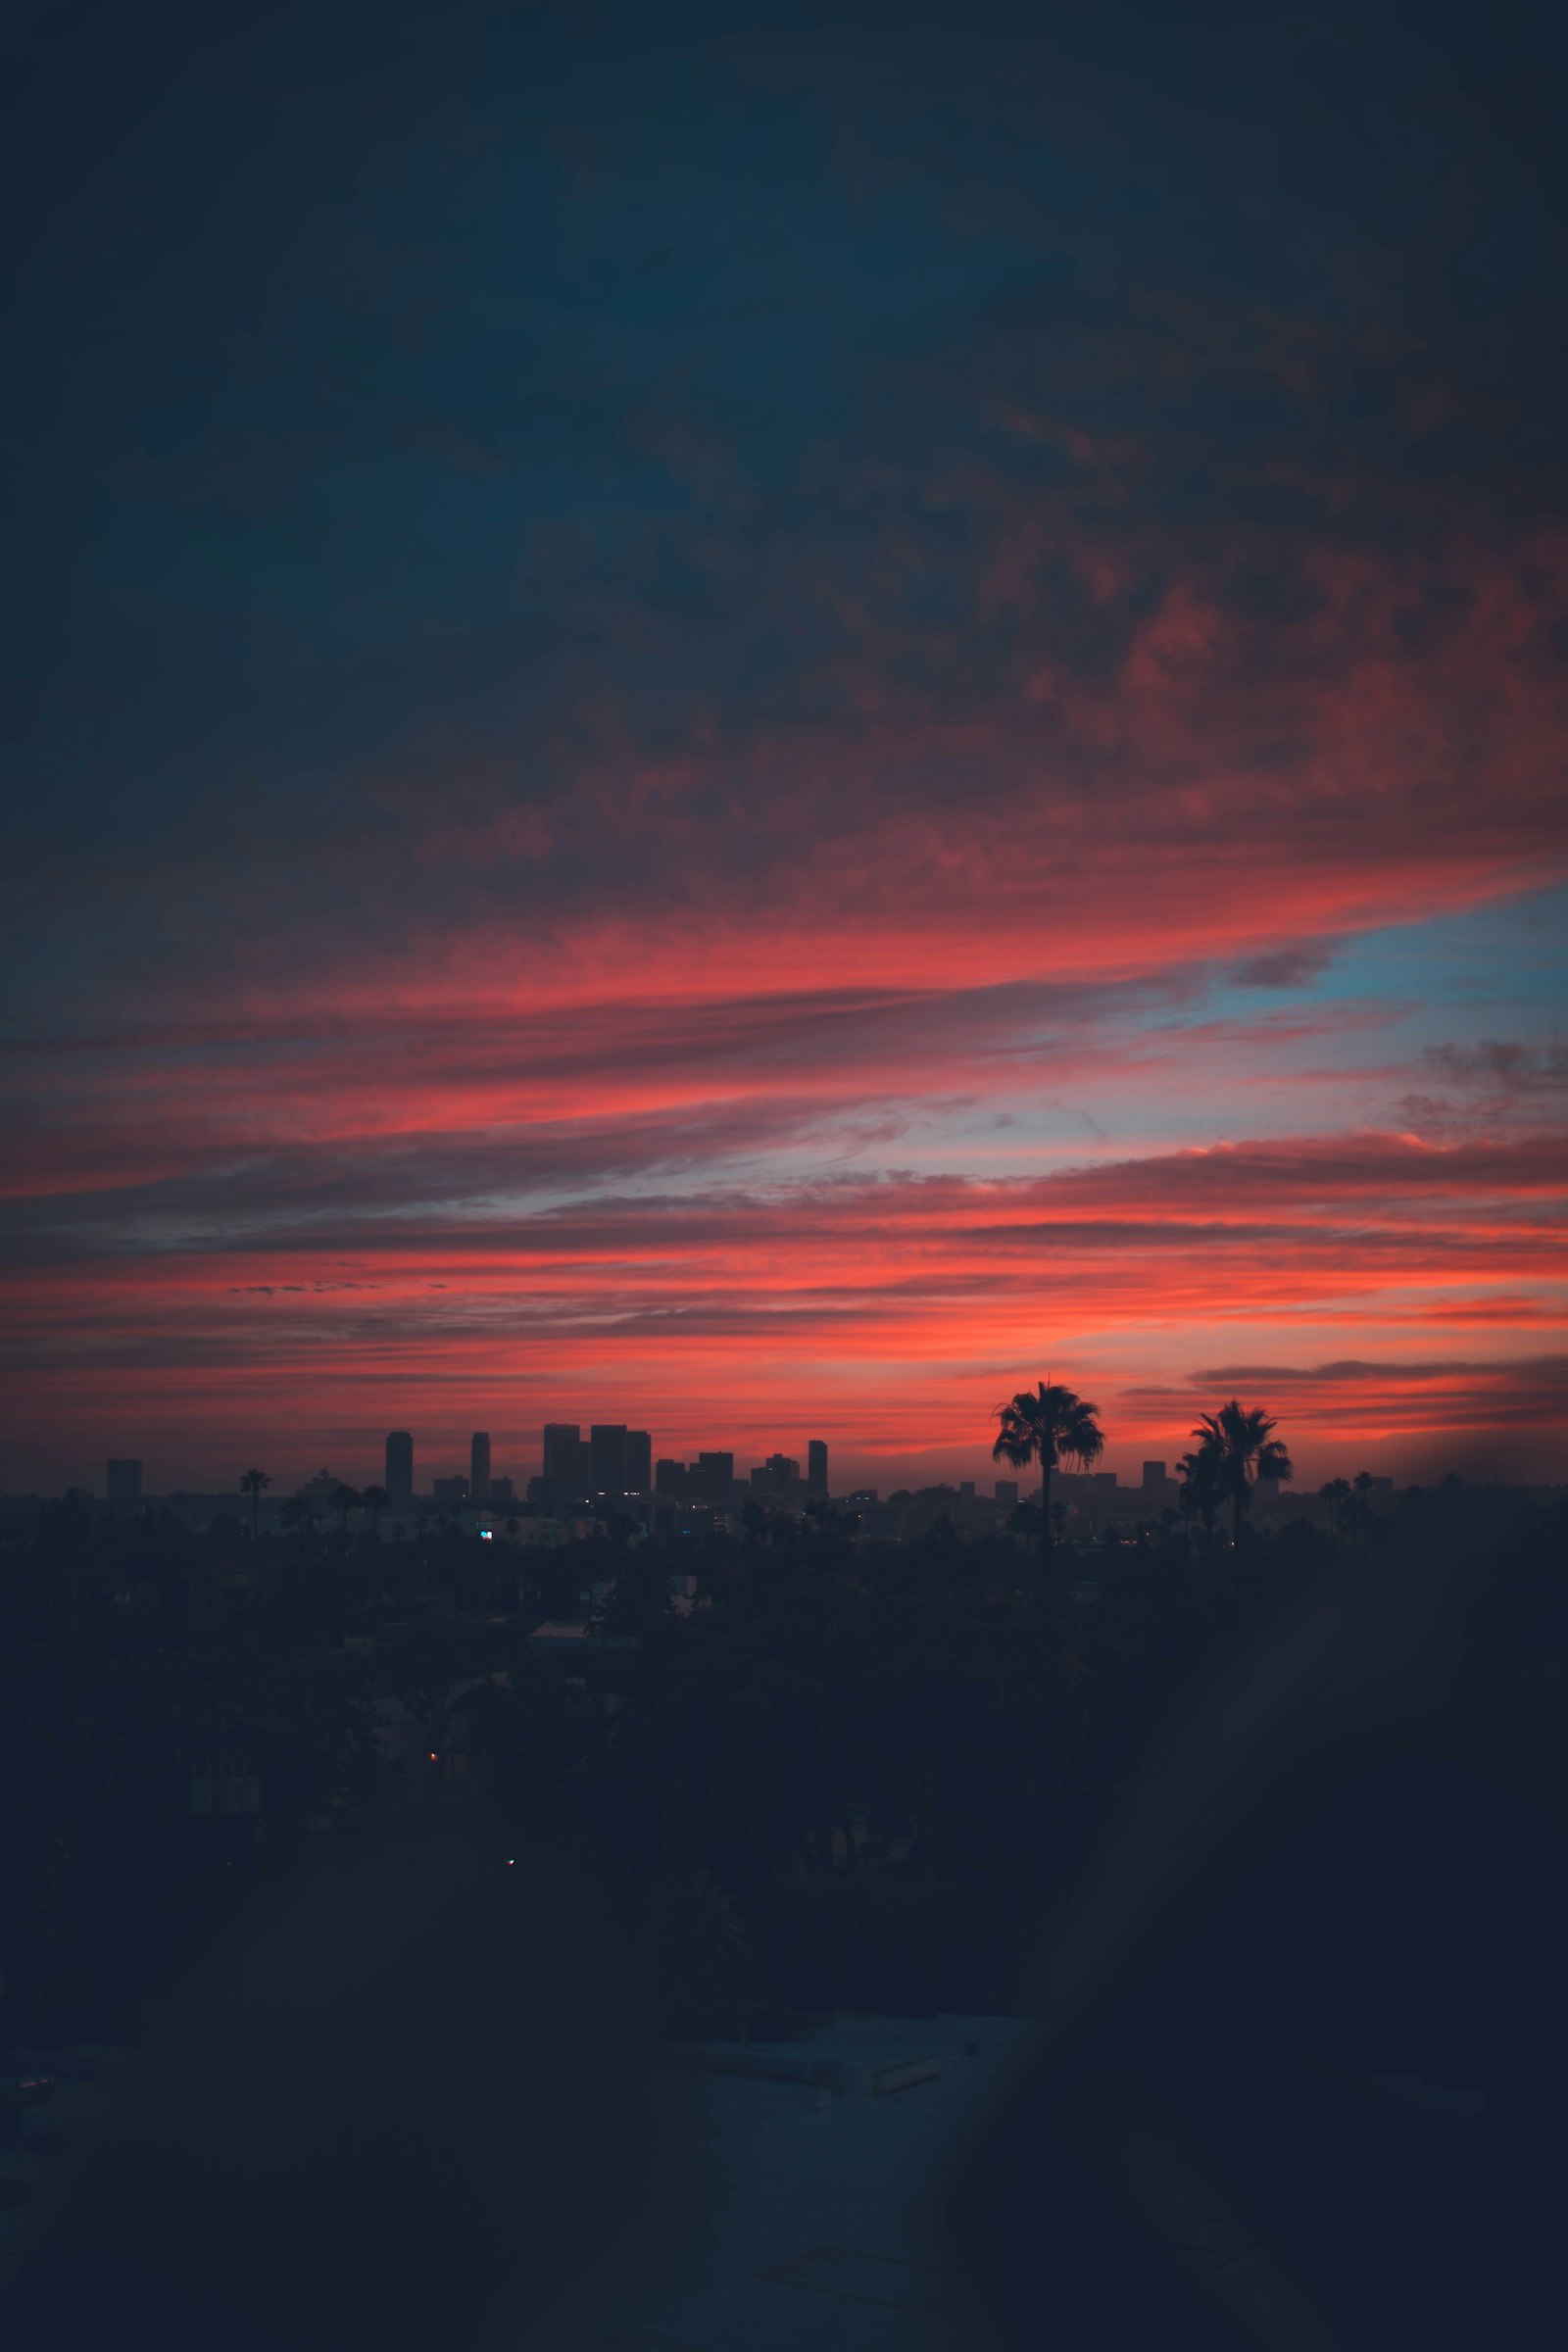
<point>497,1096</point>
<point>886,1309</point>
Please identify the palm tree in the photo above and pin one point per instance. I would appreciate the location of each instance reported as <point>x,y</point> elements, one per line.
<point>376,1499</point>
<point>1048,1427</point>
<point>1337,1493</point>
<point>344,1499</point>
<point>253,1484</point>
<point>1202,1489</point>
<point>1242,1449</point>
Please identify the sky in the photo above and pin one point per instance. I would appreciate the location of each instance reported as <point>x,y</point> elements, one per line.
<point>763,721</point>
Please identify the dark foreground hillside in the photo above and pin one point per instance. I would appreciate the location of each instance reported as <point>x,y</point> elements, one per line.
<point>1273,1850</point>
<point>1321,1948</point>
<point>404,2099</point>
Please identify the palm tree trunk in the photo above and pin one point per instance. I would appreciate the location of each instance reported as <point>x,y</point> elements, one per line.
<point>1045,1550</point>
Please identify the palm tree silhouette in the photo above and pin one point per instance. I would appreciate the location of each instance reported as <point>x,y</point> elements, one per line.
<point>1242,1449</point>
<point>1337,1493</point>
<point>344,1499</point>
<point>1201,1490</point>
<point>375,1500</point>
<point>253,1484</point>
<point>1049,1426</point>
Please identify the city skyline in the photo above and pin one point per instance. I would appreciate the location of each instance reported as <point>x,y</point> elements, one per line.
<point>438,1464</point>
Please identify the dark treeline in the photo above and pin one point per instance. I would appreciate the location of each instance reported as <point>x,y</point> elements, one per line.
<point>832,1774</point>
<point>860,1775</point>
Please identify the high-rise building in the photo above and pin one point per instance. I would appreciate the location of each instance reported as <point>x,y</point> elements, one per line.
<point>716,1477</point>
<point>564,1463</point>
<point>123,1486</point>
<point>816,1468</point>
<point>779,1475</point>
<point>400,1468</point>
<point>479,1465</point>
<point>638,1462</point>
<point>607,1457</point>
<point>502,1491</point>
<point>1006,1489</point>
<point>1154,1478</point>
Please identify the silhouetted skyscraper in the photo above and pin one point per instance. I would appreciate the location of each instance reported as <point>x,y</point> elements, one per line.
<point>123,1486</point>
<point>566,1460</point>
<point>607,1457</point>
<point>1153,1476</point>
<point>716,1477</point>
<point>816,1469</point>
<point>638,1462</point>
<point>400,1468</point>
<point>479,1465</point>
<point>779,1475</point>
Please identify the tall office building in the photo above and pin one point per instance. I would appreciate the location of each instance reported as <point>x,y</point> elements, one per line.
<point>607,1457</point>
<point>123,1486</point>
<point>563,1464</point>
<point>779,1475</point>
<point>638,1462</point>
<point>399,1480</point>
<point>816,1469</point>
<point>479,1465</point>
<point>716,1477</point>
<point>1154,1480</point>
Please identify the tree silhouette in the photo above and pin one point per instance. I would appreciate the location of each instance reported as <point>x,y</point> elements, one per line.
<point>1337,1493</point>
<point>1049,1426</point>
<point>300,1514</point>
<point>1201,1490</point>
<point>376,1499</point>
<point>344,1499</point>
<point>252,1484</point>
<point>1351,1506</point>
<point>1242,1449</point>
